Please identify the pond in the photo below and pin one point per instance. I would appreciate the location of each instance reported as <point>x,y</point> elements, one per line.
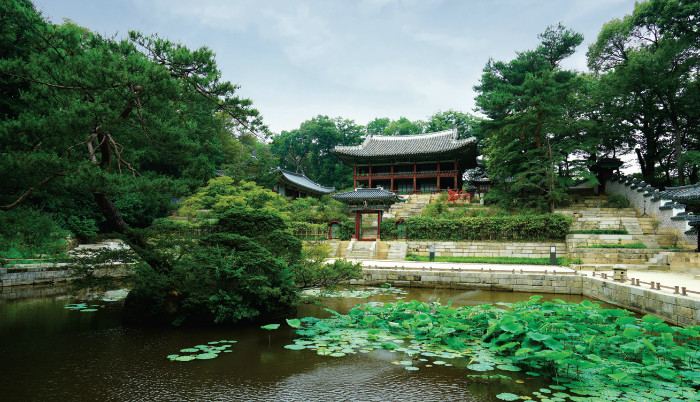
<point>53,353</point>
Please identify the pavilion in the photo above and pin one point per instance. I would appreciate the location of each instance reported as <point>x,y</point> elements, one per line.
<point>410,164</point>
<point>368,201</point>
<point>296,185</point>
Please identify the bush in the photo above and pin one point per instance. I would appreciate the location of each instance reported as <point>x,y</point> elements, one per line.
<point>617,201</point>
<point>312,270</point>
<point>600,231</point>
<point>26,232</point>
<point>517,227</point>
<point>240,272</point>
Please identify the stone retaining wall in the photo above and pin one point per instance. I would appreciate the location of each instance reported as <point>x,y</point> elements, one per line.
<point>34,275</point>
<point>485,249</point>
<point>676,309</point>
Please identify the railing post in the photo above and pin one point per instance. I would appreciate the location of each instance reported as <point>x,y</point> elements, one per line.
<point>652,284</point>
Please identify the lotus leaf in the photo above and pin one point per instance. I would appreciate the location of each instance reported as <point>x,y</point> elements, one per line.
<point>411,368</point>
<point>189,350</point>
<point>506,396</point>
<point>184,358</point>
<point>270,326</point>
<point>295,347</point>
<point>206,356</point>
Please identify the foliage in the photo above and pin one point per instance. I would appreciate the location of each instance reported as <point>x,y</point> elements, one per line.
<point>239,272</point>
<point>25,232</point>
<point>601,231</point>
<point>314,271</point>
<point>515,227</point>
<point>628,245</point>
<point>617,201</point>
<point>647,63</point>
<point>222,193</point>
<point>582,346</point>
<point>533,123</point>
<point>562,261</point>
<point>111,122</point>
<point>466,124</point>
<point>308,149</point>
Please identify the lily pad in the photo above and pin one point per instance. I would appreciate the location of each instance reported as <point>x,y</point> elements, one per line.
<point>295,346</point>
<point>480,367</point>
<point>411,368</point>
<point>88,310</point>
<point>506,396</point>
<point>184,358</point>
<point>270,326</point>
<point>508,367</point>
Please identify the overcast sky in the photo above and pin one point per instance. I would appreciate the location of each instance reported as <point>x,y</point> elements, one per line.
<point>356,59</point>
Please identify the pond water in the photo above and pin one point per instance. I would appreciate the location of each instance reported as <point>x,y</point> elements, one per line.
<point>48,352</point>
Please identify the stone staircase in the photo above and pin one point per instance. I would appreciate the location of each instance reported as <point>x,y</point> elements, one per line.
<point>588,213</point>
<point>412,207</point>
<point>361,250</point>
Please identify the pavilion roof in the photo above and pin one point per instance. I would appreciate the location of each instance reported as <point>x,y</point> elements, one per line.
<point>301,181</point>
<point>400,146</point>
<point>684,194</point>
<point>369,195</point>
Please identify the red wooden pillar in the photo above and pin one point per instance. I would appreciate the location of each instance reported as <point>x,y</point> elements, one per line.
<point>391,186</point>
<point>415,170</point>
<point>456,173</point>
<point>354,177</point>
<point>379,222</point>
<point>357,225</point>
<point>438,176</point>
<point>370,176</point>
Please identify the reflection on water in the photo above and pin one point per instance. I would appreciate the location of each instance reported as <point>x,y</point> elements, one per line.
<point>50,353</point>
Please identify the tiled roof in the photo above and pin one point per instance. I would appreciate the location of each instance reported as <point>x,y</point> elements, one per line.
<point>298,179</point>
<point>402,145</point>
<point>368,194</point>
<point>682,194</point>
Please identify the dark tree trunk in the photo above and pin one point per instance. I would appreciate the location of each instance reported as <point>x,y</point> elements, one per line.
<point>155,259</point>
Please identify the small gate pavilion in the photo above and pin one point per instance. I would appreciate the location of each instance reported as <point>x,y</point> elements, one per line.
<point>368,201</point>
<point>408,164</point>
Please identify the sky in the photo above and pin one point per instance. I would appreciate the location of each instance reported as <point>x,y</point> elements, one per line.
<point>359,60</point>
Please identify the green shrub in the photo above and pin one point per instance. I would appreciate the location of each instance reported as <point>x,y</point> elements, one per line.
<point>628,245</point>
<point>562,261</point>
<point>312,270</point>
<point>26,232</point>
<point>617,201</point>
<point>601,231</point>
<point>517,227</point>
<point>239,272</point>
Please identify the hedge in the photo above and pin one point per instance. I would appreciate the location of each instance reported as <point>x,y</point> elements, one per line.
<point>516,227</point>
<point>505,228</point>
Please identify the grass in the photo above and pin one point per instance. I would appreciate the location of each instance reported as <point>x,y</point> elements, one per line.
<point>495,260</point>
<point>629,245</point>
<point>600,231</point>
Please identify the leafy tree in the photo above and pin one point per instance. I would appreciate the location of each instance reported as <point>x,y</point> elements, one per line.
<point>466,124</point>
<point>649,61</point>
<point>94,117</point>
<point>239,272</point>
<point>378,126</point>
<point>308,149</point>
<point>532,121</point>
<point>403,126</point>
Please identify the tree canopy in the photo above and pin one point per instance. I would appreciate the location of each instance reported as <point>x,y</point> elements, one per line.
<point>532,121</point>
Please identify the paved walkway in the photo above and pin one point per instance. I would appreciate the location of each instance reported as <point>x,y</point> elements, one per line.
<point>665,278</point>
